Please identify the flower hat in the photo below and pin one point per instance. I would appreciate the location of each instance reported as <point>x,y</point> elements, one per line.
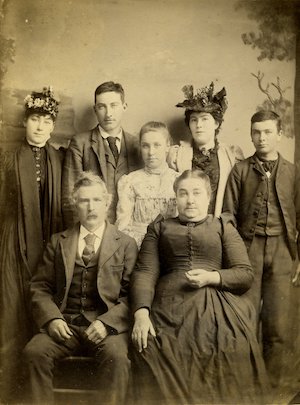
<point>43,102</point>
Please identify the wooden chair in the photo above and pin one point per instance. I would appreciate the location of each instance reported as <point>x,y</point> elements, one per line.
<point>75,381</point>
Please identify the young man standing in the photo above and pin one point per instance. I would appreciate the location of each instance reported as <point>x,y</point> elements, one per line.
<point>263,195</point>
<point>107,150</point>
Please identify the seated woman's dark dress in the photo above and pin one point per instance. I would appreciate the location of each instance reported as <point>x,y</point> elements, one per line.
<point>205,350</point>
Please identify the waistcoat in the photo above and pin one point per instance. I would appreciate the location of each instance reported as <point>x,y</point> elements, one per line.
<point>270,219</point>
<point>83,296</point>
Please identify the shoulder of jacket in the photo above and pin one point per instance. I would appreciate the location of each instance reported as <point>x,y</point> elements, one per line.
<point>233,149</point>
<point>285,161</point>
<point>226,218</point>
<point>244,163</point>
<point>124,239</point>
<point>84,136</point>
<point>156,223</point>
<point>129,135</point>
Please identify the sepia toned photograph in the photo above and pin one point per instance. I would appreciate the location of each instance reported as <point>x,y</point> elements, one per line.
<point>149,202</point>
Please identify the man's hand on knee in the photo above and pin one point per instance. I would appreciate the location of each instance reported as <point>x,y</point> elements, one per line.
<point>96,331</point>
<point>59,330</point>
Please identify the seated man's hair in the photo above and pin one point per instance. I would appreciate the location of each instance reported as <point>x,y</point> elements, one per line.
<point>110,86</point>
<point>264,115</point>
<point>86,179</point>
<point>193,174</point>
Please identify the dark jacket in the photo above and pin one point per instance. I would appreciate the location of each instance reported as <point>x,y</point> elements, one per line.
<point>244,198</point>
<point>20,200</point>
<point>87,153</point>
<point>51,284</point>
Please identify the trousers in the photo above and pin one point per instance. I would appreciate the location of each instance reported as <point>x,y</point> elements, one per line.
<point>111,354</point>
<point>270,293</point>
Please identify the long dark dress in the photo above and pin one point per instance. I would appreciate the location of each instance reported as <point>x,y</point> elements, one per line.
<point>28,216</point>
<point>205,350</point>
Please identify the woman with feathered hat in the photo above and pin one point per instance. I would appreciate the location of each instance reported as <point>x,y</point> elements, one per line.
<point>204,112</point>
<point>30,211</point>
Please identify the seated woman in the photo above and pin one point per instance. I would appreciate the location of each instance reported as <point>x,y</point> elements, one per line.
<point>194,332</point>
<point>204,113</point>
<point>145,193</point>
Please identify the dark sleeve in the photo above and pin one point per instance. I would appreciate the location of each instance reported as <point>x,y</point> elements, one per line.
<point>71,170</point>
<point>297,203</point>
<point>236,274</point>
<point>117,317</point>
<point>8,186</point>
<point>232,193</point>
<point>43,288</point>
<point>147,270</point>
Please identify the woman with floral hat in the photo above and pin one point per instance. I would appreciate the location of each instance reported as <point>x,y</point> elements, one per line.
<point>204,113</point>
<point>30,211</point>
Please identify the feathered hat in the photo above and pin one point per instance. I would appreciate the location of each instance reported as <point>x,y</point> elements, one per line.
<point>204,100</point>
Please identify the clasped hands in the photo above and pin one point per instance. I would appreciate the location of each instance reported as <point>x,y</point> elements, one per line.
<point>199,278</point>
<point>59,330</point>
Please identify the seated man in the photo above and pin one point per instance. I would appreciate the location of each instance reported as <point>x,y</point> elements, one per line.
<point>79,297</point>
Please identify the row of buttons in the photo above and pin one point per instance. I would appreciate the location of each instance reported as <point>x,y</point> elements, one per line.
<point>37,157</point>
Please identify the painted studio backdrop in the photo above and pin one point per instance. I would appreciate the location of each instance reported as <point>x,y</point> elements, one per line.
<point>153,48</point>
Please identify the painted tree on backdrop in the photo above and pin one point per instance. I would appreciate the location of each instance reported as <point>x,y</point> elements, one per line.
<point>278,38</point>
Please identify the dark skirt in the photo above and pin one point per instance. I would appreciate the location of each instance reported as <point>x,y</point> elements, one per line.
<point>16,324</point>
<point>205,350</point>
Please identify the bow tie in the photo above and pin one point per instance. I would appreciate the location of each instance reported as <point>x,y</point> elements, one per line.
<point>268,165</point>
<point>206,152</point>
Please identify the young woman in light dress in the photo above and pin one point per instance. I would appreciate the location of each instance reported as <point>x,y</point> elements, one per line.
<point>145,193</point>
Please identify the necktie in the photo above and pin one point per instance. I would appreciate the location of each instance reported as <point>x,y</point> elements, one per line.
<point>89,250</point>
<point>113,147</point>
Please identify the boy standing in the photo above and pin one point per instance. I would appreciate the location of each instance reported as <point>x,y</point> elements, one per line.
<point>263,195</point>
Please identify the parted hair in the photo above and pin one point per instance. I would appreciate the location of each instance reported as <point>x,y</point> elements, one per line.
<point>86,179</point>
<point>216,115</point>
<point>193,174</point>
<point>265,115</point>
<point>110,86</point>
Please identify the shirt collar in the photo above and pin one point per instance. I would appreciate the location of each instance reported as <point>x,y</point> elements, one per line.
<point>208,146</point>
<point>105,135</point>
<point>98,232</point>
<point>32,145</point>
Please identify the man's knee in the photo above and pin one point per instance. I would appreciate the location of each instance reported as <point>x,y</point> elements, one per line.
<point>115,350</point>
<point>35,353</point>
